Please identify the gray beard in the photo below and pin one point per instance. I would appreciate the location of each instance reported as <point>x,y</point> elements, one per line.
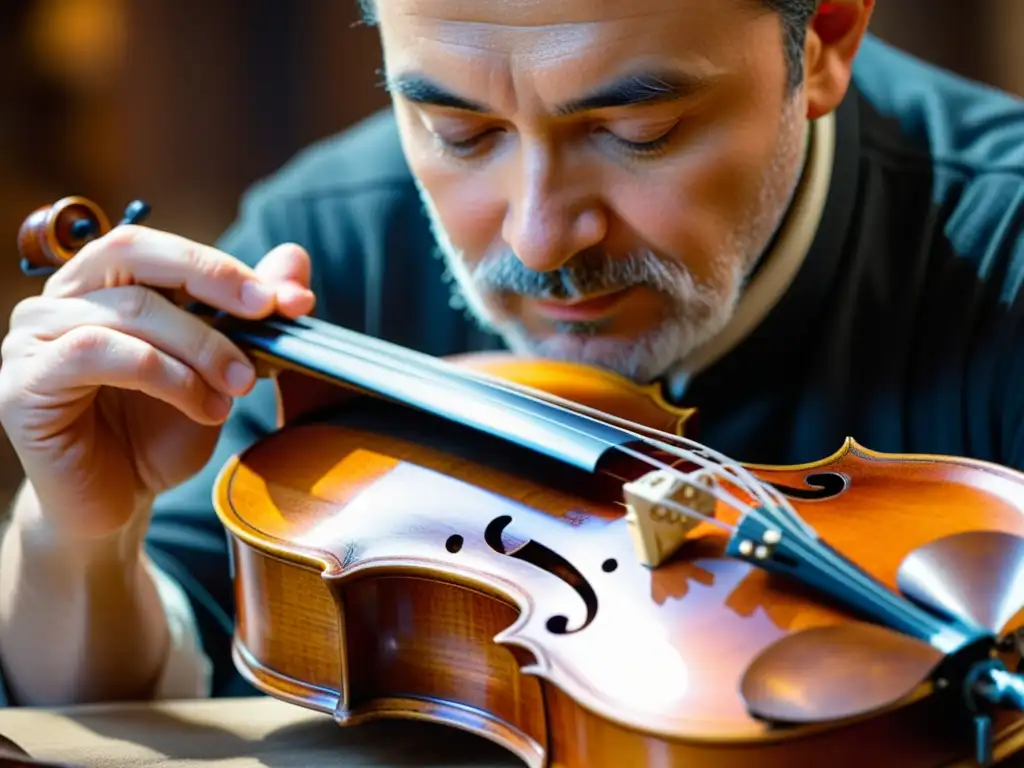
<point>697,312</point>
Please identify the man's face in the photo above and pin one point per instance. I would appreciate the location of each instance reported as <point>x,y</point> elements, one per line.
<point>601,175</point>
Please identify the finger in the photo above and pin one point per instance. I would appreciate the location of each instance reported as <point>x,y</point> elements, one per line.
<point>92,356</point>
<point>141,313</point>
<point>293,301</point>
<point>131,254</point>
<point>285,263</point>
<point>288,268</point>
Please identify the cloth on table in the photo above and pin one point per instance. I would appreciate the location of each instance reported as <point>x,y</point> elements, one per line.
<point>254,732</point>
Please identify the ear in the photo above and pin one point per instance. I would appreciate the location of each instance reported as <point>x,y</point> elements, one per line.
<point>833,40</point>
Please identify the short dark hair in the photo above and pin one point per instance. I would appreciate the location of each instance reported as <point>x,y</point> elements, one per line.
<point>795,16</point>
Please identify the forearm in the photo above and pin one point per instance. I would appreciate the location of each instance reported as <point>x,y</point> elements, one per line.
<point>79,621</point>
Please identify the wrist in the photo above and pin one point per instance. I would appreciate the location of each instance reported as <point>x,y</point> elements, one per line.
<point>60,556</point>
<point>80,619</point>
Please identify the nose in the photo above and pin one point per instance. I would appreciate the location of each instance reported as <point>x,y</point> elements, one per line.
<point>551,216</point>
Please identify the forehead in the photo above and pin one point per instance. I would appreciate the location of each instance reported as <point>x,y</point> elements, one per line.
<point>507,45</point>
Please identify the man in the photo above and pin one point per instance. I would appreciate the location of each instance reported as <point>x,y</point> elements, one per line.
<point>793,227</point>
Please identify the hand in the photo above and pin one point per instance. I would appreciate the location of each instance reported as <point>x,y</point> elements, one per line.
<point>109,393</point>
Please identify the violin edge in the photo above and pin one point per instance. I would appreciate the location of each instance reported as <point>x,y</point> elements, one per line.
<point>853,448</point>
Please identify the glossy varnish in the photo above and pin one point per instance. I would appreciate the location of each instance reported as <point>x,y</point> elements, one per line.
<point>382,573</point>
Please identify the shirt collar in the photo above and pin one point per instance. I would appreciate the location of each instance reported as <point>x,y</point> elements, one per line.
<point>793,273</point>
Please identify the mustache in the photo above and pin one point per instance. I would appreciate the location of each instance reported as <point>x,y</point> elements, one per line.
<point>585,274</point>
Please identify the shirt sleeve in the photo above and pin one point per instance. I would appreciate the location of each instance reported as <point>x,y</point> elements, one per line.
<point>187,670</point>
<point>1002,405</point>
<point>1012,358</point>
<point>186,542</point>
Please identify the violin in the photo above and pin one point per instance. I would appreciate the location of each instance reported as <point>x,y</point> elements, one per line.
<point>542,553</point>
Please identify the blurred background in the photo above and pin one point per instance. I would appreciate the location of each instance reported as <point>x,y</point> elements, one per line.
<point>187,102</point>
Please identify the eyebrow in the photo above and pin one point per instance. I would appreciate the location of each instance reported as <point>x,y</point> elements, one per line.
<point>631,90</point>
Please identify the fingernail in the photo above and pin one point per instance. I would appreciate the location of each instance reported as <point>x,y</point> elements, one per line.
<point>256,295</point>
<point>238,376</point>
<point>217,406</point>
<point>289,292</point>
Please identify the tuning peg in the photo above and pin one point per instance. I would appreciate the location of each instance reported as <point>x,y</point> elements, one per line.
<point>135,213</point>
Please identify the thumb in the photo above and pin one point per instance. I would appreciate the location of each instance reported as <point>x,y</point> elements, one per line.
<point>288,268</point>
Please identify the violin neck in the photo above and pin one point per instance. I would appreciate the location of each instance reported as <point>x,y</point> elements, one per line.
<point>433,385</point>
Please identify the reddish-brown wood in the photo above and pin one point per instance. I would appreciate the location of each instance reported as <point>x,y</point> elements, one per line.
<point>389,565</point>
<point>598,389</point>
<point>351,602</point>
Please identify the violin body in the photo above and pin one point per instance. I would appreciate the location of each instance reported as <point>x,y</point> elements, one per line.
<point>533,551</point>
<point>390,564</point>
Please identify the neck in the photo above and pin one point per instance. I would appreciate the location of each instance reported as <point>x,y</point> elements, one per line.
<point>788,213</point>
<point>778,262</point>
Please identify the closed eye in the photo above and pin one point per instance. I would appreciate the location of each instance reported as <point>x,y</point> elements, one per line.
<point>644,148</point>
<point>463,147</point>
<point>467,146</point>
<point>654,146</point>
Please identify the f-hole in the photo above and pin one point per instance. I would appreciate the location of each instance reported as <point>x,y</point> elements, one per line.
<point>821,485</point>
<point>538,555</point>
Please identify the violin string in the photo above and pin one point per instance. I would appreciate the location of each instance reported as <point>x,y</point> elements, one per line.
<point>670,504</point>
<point>810,542</point>
<point>737,473</point>
<point>811,549</point>
<point>798,531</point>
<point>697,454</point>
<point>341,345</point>
<point>750,483</point>
<point>634,428</point>
<point>725,463</point>
<point>808,546</point>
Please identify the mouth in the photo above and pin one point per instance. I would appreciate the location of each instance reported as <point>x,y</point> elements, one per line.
<point>588,309</point>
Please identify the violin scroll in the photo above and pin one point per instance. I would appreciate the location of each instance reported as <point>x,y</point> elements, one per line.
<point>52,234</point>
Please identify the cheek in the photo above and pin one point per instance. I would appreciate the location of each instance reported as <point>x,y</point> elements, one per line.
<point>465,202</point>
<point>694,203</point>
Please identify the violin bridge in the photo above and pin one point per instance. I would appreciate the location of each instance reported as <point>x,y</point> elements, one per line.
<point>655,523</point>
